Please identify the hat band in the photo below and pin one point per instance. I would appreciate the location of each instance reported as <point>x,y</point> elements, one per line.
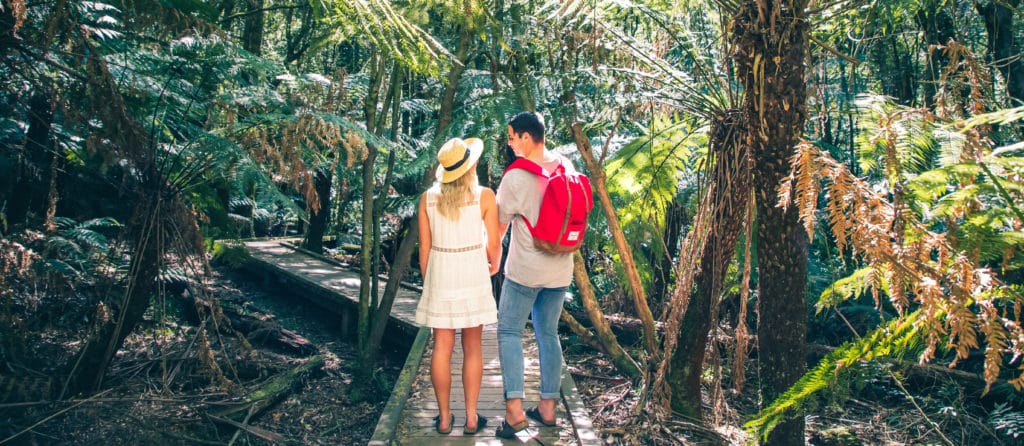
<point>460,163</point>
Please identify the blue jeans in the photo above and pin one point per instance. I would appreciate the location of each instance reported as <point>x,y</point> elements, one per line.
<point>545,304</point>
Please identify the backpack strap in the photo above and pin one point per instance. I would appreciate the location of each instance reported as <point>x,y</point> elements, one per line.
<point>532,167</point>
<point>536,169</point>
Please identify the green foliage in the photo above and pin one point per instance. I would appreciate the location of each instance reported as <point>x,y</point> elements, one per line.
<point>78,247</point>
<point>647,171</point>
<point>936,263</point>
<point>892,141</point>
<point>896,338</point>
<point>231,254</point>
<point>1006,420</point>
<point>853,286</point>
<point>386,29</point>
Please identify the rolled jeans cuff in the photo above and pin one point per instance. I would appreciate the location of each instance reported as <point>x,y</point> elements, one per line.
<point>550,396</point>
<point>515,395</point>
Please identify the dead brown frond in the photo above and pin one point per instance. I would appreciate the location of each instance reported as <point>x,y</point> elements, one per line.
<point>287,150</point>
<point>209,362</point>
<point>960,298</point>
<point>17,12</point>
<point>739,368</point>
<point>964,84</point>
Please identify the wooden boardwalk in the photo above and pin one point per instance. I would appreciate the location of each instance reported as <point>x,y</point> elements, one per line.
<point>408,417</point>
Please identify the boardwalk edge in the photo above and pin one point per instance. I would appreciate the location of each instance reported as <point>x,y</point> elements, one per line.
<point>578,415</point>
<point>392,413</point>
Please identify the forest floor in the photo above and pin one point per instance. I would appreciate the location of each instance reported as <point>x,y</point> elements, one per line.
<point>158,395</point>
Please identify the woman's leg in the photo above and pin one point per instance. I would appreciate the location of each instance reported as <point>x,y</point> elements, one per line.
<point>472,371</point>
<point>441,372</point>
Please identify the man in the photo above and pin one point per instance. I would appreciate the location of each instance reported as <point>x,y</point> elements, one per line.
<point>535,281</point>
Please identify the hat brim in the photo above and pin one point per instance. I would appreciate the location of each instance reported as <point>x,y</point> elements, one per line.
<point>476,148</point>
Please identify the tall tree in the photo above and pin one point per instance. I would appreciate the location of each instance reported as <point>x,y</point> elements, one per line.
<point>252,33</point>
<point>771,48</point>
<point>937,25</point>
<point>1002,47</point>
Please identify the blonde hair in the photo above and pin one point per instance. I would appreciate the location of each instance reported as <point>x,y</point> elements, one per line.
<point>456,194</point>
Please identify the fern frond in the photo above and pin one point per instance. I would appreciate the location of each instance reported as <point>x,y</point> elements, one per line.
<point>101,223</point>
<point>899,336</point>
<point>59,267</point>
<point>63,246</point>
<point>91,239</point>
<point>389,31</point>
<point>938,273</point>
<point>852,286</point>
<point>1001,117</point>
<point>652,166</point>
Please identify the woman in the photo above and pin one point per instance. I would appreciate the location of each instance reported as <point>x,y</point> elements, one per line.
<point>459,249</point>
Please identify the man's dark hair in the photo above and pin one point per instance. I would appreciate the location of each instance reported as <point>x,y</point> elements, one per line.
<point>528,122</point>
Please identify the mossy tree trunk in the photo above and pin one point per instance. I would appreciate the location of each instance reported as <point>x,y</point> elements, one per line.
<point>24,191</point>
<point>606,339</point>
<point>252,35</point>
<point>599,182</point>
<point>938,28</point>
<point>364,371</point>
<point>376,321</point>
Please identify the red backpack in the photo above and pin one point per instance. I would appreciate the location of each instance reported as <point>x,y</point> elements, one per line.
<point>564,206</point>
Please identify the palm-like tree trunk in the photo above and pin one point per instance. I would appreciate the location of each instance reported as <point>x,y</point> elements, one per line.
<point>771,44</point>
<point>116,321</point>
<point>156,210</point>
<point>730,191</point>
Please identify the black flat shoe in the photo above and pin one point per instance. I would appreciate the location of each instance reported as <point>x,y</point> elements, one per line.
<point>437,425</point>
<point>534,412</point>
<point>481,423</point>
<point>509,431</point>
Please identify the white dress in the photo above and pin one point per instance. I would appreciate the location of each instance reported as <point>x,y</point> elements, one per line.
<point>457,284</point>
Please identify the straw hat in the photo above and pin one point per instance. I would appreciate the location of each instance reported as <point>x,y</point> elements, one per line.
<point>456,157</point>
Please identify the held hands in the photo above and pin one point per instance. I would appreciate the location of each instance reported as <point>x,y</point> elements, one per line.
<point>493,266</point>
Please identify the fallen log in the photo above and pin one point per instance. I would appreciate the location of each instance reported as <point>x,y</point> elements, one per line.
<point>272,391</point>
<point>266,435</point>
<point>262,329</point>
<point>628,330</point>
<point>258,327</point>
